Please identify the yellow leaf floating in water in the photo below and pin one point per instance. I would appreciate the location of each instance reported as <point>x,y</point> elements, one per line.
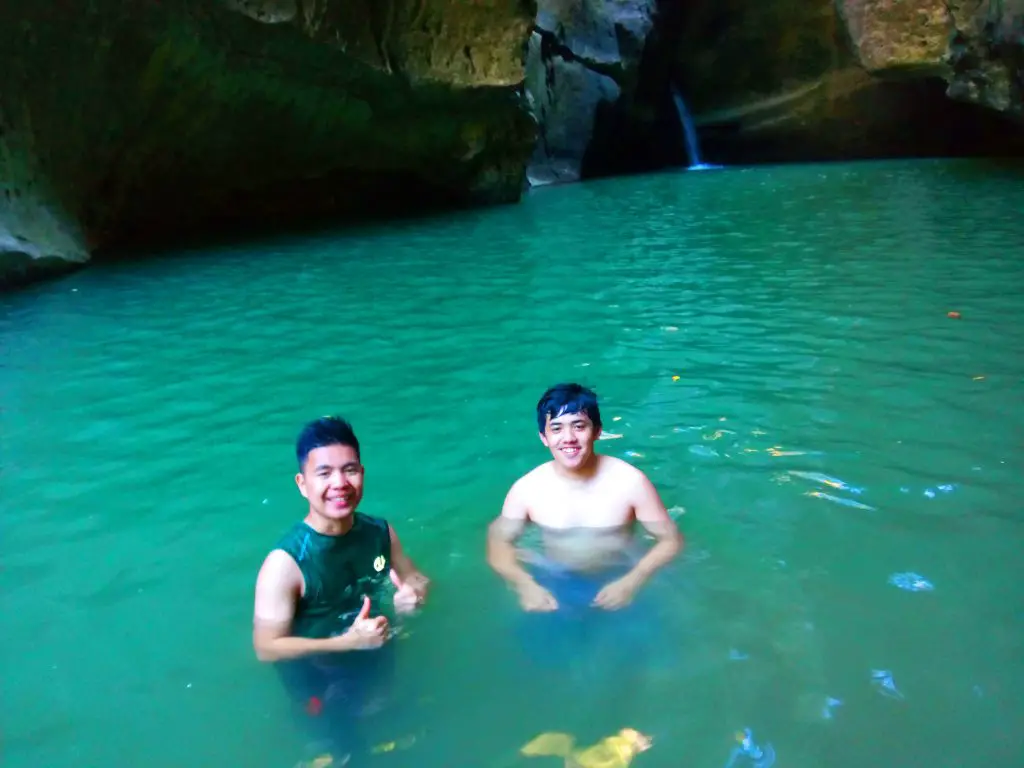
<point>391,746</point>
<point>776,450</point>
<point>550,744</point>
<point>615,751</point>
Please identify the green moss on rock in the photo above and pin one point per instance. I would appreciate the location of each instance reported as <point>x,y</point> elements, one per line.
<point>144,119</point>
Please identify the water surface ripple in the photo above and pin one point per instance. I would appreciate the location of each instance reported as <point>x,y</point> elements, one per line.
<point>774,348</point>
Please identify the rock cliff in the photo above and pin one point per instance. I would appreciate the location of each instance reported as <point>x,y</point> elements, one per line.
<point>149,120</point>
<point>977,46</point>
<point>145,120</point>
<point>582,67</point>
<point>821,79</point>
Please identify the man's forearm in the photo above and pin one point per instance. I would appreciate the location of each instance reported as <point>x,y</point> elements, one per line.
<point>657,556</point>
<point>287,648</point>
<point>501,556</point>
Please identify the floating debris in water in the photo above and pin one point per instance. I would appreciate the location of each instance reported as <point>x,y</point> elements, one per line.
<point>911,582</point>
<point>839,500</point>
<point>736,655</point>
<point>703,450</point>
<point>634,454</point>
<point>616,751</point>
<point>883,681</point>
<point>831,482</point>
<point>390,746</point>
<point>609,436</point>
<point>749,753</point>
<point>930,492</point>
<point>776,450</point>
<point>718,434</point>
<point>830,704</point>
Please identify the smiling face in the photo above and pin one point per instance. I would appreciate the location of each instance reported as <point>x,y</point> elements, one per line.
<point>332,481</point>
<point>570,438</point>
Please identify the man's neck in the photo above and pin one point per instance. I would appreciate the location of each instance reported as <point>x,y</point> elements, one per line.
<point>583,474</point>
<point>329,527</point>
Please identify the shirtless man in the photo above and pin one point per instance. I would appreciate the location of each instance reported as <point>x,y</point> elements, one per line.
<point>585,505</point>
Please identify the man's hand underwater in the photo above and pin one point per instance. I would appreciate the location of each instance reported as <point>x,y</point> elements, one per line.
<point>617,594</point>
<point>533,597</point>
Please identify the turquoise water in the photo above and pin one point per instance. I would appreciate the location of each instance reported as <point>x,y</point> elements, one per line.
<point>150,410</point>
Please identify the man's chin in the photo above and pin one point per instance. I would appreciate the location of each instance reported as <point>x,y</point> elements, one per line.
<point>339,513</point>
<point>572,463</point>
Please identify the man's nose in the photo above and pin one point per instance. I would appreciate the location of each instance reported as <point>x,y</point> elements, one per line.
<point>339,480</point>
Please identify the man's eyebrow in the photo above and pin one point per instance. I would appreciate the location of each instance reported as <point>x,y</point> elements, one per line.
<point>347,465</point>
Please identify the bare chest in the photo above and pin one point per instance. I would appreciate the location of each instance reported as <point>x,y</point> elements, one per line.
<point>596,507</point>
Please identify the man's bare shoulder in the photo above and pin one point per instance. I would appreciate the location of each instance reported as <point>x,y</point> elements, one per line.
<point>279,571</point>
<point>620,469</point>
<point>533,481</point>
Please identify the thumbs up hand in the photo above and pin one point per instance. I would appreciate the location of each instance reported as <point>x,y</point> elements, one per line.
<point>366,632</point>
<point>407,598</point>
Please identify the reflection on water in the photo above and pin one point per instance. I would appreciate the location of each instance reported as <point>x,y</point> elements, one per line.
<point>772,347</point>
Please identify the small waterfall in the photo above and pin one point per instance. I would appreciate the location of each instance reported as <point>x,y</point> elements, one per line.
<point>690,133</point>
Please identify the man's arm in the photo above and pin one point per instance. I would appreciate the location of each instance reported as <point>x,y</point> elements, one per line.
<point>502,534</point>
<point>277,591</point>
<point>403,567</point>
<point>651,514</point>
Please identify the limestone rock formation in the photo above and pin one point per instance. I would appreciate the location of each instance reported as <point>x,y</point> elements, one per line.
<point>821,79</point>
<point>125,120</point>
<point>976,45</point>
<point>583,58</point>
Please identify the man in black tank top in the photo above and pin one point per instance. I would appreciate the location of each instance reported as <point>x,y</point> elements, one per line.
<point>319,586</point>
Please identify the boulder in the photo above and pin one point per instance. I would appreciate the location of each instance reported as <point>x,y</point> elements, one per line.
<point>147,121</point>
<point>977,46</point>
<point>582,69</point>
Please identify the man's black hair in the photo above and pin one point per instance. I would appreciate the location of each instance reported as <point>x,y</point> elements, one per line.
<point>329,430</point>
<point>567,398</point>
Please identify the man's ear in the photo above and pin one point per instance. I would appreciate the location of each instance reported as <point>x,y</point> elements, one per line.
<point>300,481</point>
